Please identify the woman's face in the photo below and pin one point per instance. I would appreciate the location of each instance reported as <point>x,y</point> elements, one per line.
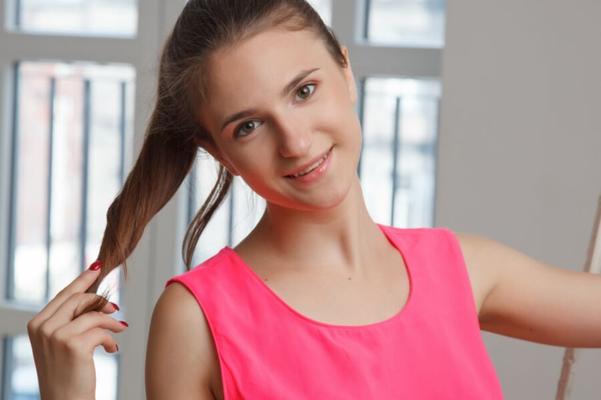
<point>299,104</point>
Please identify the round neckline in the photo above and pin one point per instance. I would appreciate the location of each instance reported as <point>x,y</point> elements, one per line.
<point>396,243</point>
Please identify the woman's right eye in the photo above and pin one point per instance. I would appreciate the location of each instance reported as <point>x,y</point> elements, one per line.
<point>242,126</point>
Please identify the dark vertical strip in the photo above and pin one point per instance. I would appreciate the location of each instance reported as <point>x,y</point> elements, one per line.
<point>367,14</point>
<point>12,203</point>
<point>83,235</point>
<point>361,113</point>
<point>191,202</point>
<point>51,100</point>
<point>7,358</point>
<point>118,369</point>
<point>191,193</point>
<point>122,127</point>
<point>18,20</point>
<point>7,368</point>
<point>230,222</point>
<point>435,145</point>
<point>395,156</point>
<point>122,145</point>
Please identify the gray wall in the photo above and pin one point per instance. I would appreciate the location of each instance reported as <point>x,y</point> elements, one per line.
<point>520,152</point>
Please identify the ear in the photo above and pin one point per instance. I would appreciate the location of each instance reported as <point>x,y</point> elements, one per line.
<point>348,75</point>
<point>210,147</point>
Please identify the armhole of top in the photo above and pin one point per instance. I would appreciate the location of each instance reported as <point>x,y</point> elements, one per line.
<point>211,324</point>
<point>460,259</point>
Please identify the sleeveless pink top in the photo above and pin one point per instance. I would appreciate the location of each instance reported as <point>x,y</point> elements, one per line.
<point>431,349</point>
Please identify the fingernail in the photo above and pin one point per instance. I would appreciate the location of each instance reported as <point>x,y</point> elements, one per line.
<point>114,305</point>
<point>96,265</point>
<point>117,346</point>
<point>124,323</point>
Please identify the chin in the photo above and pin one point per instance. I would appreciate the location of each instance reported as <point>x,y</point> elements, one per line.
<point>320,200</point>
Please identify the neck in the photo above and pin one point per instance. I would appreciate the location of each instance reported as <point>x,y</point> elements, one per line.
<point>341,239</point>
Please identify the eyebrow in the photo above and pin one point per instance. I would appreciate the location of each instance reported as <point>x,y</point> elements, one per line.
<point>299,77</point>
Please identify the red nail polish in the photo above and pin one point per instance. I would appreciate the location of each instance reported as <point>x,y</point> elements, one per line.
<point>124,323</point>
<point>96,265</point>
<point>114,305</point>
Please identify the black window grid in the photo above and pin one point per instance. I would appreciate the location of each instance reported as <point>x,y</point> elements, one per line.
<point>13,201</point>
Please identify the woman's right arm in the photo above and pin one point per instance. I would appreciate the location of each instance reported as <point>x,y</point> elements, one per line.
<point>180,355</point>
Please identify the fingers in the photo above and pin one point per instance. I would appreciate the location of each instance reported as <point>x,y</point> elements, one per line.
<point>88,341</point>
<point>87,322</point>
<point>68,311</point>
<point>79,284</point>
<point>83,345</point>
<point>72,336</point>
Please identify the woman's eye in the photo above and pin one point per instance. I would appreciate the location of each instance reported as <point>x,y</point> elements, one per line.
<point>304,92</point>
<point>243,126</point>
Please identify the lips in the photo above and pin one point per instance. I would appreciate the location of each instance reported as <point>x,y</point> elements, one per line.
<point>309,164</point>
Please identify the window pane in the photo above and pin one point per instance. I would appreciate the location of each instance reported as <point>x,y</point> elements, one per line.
<point>215,234</point>
<point>399,144</point>
<point>80,17</point>
<point>74,125</point>
<point>21,377</point>
<point>324,8</point>
<point>233,220</point>
<point>411,23</point>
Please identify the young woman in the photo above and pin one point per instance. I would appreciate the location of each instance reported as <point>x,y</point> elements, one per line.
<point>318,301</point>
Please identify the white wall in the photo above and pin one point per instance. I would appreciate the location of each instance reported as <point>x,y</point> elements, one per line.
<point>520,152</point>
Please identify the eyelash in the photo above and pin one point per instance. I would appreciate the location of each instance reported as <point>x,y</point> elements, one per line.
<point>239,127</point>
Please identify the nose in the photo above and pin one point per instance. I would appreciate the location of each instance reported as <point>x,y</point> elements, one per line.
<point>294,137</point>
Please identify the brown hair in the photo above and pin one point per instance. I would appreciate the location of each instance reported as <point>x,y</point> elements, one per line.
<point>169,148</point>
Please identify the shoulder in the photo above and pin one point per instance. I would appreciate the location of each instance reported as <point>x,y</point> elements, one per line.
<point>179,341</point>
<point>477,252</point>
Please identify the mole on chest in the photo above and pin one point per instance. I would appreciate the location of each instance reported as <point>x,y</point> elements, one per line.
<point>343,299</point>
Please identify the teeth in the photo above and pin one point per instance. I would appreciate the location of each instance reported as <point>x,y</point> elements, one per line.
<point>311,168</point>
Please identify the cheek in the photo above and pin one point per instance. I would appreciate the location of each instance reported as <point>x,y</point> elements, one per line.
<point>256,162</point>
<point>342,118</point>
<point>331,112</point>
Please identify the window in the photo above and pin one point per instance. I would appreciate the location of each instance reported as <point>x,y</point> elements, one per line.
<point>65,170</point>
<point>238,214</point>
<point>397,165</point>
<point>67,165</point>
<point>66,140</point>
<point>411,23</point>
<point>81,17</point>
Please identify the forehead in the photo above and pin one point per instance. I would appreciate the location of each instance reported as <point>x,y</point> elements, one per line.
<point>256,69</point>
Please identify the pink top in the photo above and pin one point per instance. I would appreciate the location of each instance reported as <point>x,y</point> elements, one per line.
<point>431,349</point>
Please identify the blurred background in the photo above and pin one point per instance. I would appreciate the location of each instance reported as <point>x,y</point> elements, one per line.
<point>483,117</point>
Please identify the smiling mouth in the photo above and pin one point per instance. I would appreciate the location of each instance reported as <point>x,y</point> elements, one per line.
<point>313,167</point>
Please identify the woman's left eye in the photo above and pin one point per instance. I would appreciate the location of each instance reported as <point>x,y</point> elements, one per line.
<point>242,127</point>
<point>305,93</point>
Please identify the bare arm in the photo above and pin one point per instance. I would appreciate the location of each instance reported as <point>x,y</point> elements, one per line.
<point>180,352</point>
<point>532,300</point>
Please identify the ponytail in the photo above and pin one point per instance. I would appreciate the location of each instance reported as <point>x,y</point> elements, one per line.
<point>162,165</point>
